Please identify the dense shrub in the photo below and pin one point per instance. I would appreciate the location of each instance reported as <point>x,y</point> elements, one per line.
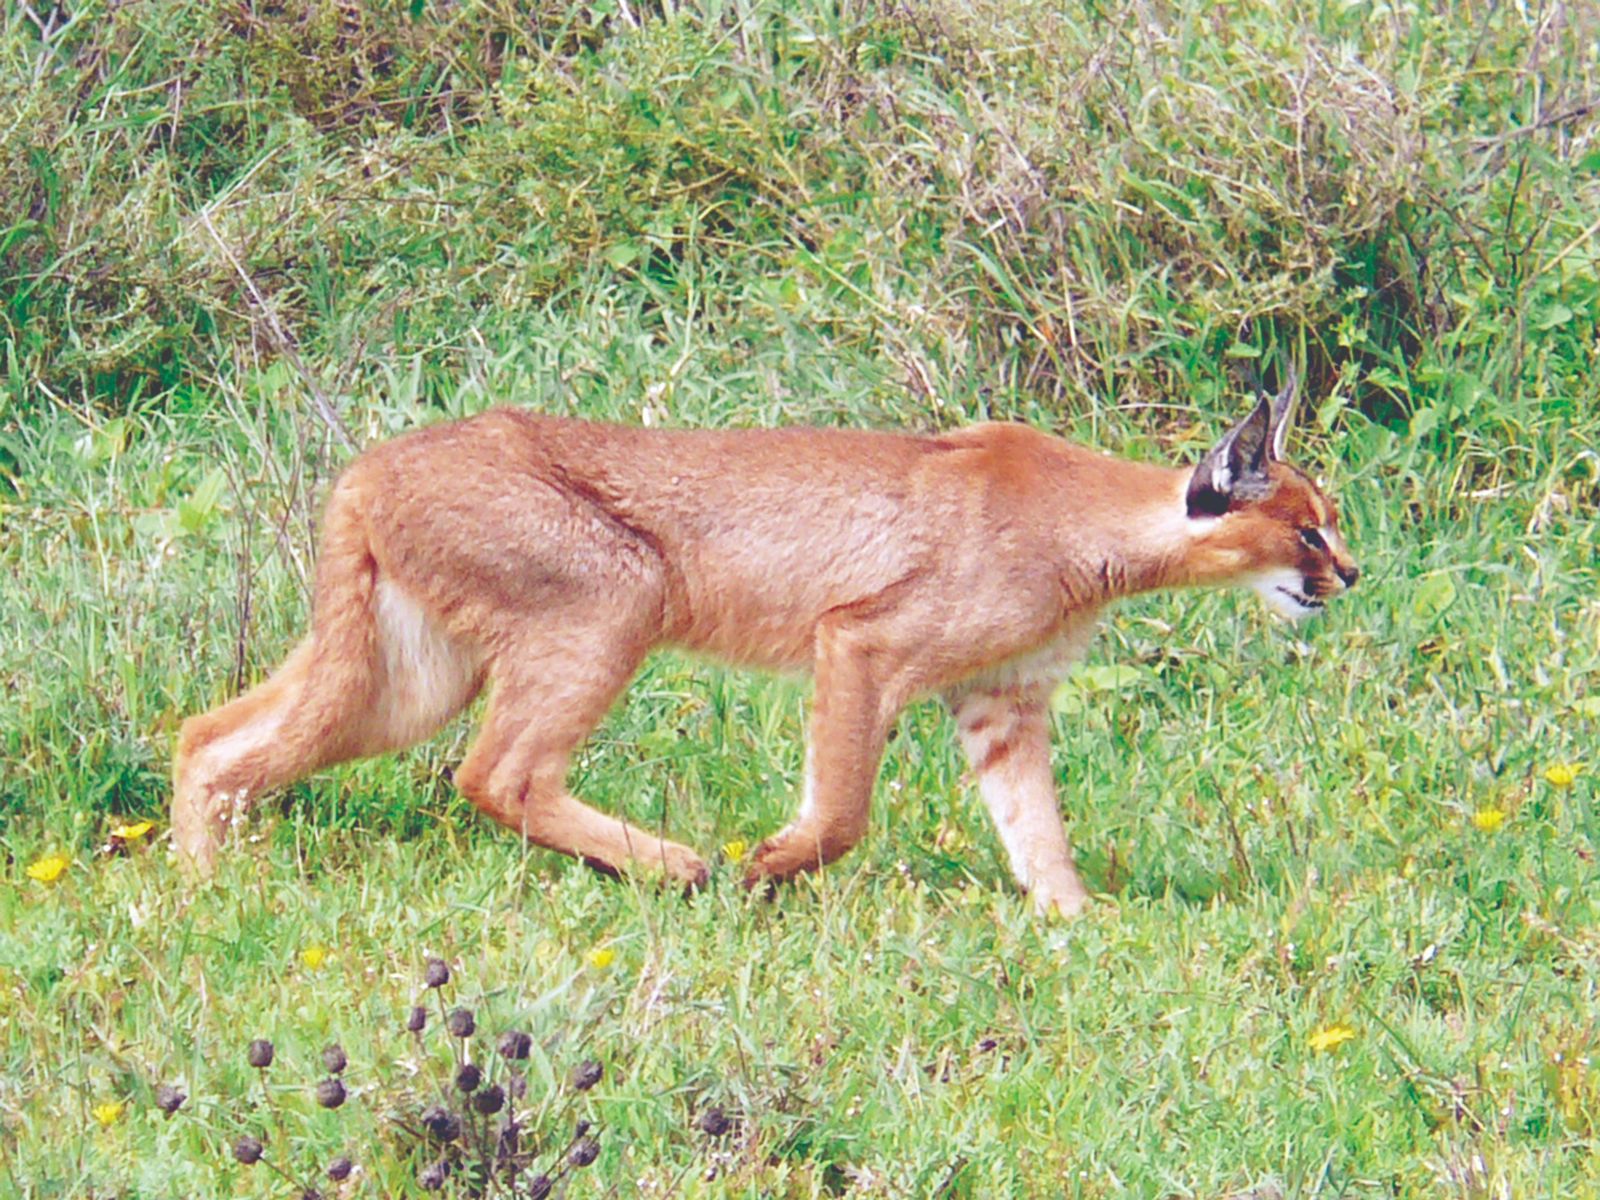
<point>1091,203</point>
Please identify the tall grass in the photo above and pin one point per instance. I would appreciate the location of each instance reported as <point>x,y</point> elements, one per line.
<point>1093,204</point>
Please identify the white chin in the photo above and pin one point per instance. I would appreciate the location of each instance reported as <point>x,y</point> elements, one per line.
<point>1284,597</point>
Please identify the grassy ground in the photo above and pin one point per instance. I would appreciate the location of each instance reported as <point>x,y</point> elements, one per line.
<point>1347,942</point>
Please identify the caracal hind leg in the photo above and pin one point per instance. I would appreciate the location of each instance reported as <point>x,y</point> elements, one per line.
<point>547,696</point>
<point>1006,735</point>
<point>227,755</point>
<point>382,676</point>
<point>850,717</point>
<point>304,716</point>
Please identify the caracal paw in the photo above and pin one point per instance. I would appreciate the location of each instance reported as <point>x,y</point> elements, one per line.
<point>1060,900</point>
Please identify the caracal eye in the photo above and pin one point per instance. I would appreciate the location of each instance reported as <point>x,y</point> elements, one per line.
<point>1313,538</point>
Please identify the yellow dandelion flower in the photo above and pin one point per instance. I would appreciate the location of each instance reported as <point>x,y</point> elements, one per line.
<point>49,868</point>
<point>1488,820</point>
<point>733,851</point>
<point>1562,775</point>
<point>107,1112</point>
<point>600,957</point>
<point>315,955</point>
<point>1330,1037</point>
<point>133,832</point>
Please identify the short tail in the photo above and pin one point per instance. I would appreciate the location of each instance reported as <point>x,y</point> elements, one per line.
<point>344,678</point>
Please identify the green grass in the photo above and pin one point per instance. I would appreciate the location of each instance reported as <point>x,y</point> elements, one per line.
<point>731,214</point>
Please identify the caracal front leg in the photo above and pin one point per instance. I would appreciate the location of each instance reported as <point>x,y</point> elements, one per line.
<point>850,716</point>
<point>1006,734</point>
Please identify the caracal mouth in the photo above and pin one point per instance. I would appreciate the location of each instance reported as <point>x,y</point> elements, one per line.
<point>1284,593</point>
<point>1311,603</point>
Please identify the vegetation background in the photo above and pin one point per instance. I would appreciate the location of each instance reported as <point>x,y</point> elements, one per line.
<point>1347,944</point>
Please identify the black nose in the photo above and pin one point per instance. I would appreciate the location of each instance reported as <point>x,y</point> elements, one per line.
<point>1349,574</point>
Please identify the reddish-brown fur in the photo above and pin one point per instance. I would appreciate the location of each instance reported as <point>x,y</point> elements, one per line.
<point>547,557</point>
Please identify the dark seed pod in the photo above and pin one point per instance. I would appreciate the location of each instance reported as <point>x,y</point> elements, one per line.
<point>539,1187</point>
<point>339,1169</point>
<point>508,1141</point>
<point>584,1151</point>
<point>260,1054</point>
<point>333,1058</point>
<point>436,973</point>
<point>491,1100</point>
<point>311,1194</point>
<point>713,1122</point>
<point>460,1022</point>
<point>468,1077</point>
<point>433,1176</point>
<point>581,1128</point>
<point>514,1045</point>
<point>169,1099</point>
<point>442,1124</point>
<point>585,1075</point>
<point>417,1019</point>
<point>330,1092</point>
<point>247,1150</point>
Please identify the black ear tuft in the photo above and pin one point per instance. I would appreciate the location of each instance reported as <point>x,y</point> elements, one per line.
<point>1235,467</point>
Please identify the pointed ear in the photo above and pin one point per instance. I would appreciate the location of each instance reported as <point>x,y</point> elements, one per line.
<point>1282,414</point>
<point>1236,466</point>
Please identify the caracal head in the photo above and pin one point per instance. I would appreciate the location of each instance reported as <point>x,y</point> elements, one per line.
<point>1265,524</point>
